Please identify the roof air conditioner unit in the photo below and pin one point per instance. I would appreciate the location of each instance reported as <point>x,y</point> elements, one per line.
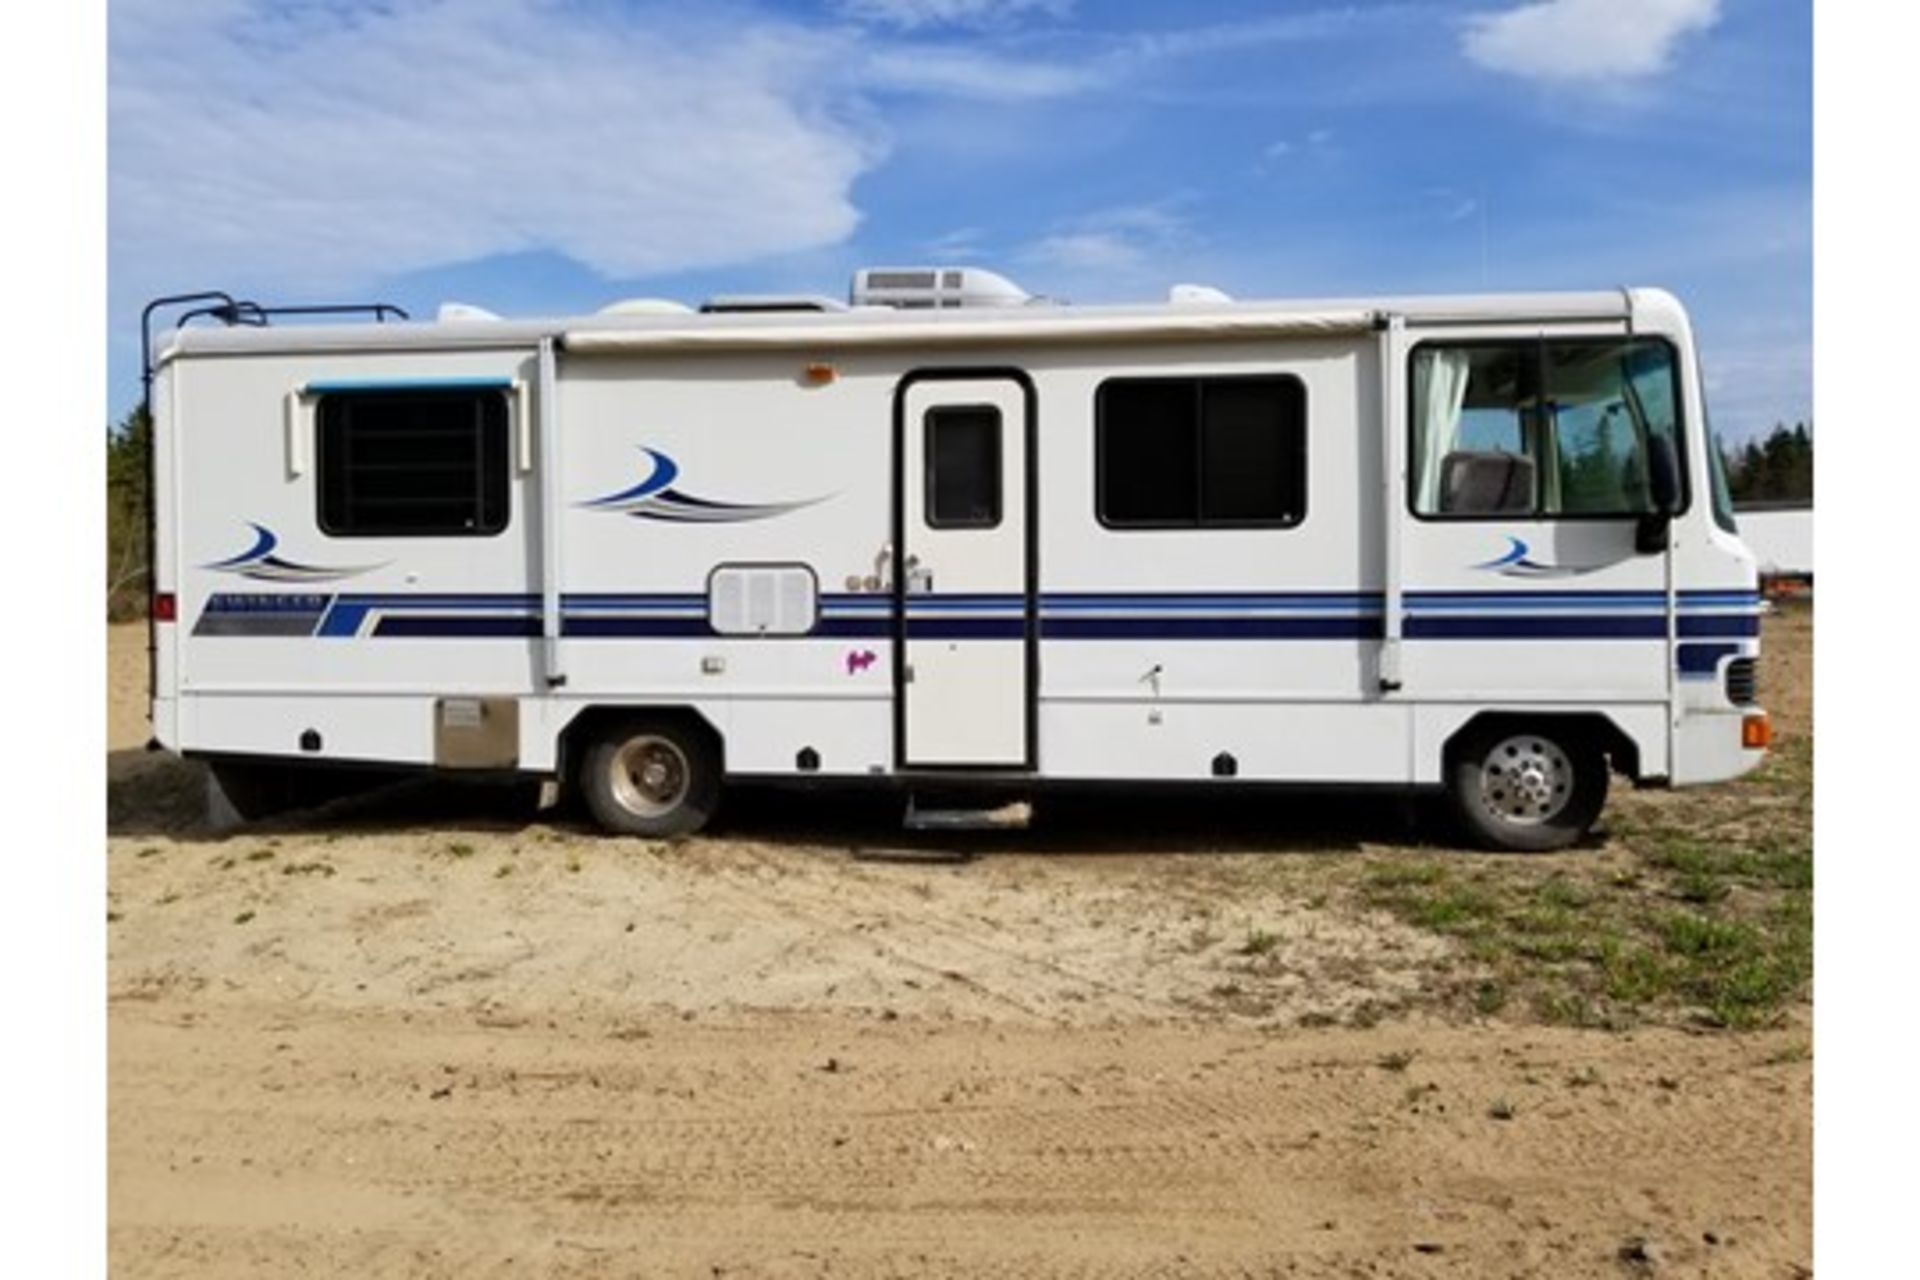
<point>929,288</point>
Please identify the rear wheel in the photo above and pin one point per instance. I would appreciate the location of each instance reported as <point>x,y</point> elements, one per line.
<point>1527,788</point>
<point>651,777</point>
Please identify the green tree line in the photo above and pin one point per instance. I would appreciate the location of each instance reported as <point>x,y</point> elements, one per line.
<point>1775,468</point>
<point>127,516</point>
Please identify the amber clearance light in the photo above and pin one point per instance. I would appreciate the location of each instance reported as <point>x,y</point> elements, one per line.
<point>1756,732</point>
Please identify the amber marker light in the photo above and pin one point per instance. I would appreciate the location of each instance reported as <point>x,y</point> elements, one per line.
<point>1756,732</point>
<point>818,374</point>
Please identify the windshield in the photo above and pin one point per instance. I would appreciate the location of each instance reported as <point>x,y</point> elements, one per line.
<point>1722,495</point>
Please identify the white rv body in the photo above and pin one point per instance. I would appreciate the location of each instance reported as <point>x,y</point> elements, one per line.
<point>727,515</point>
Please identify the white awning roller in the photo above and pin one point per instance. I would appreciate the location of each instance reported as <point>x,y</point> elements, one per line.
<point>1055,328</point>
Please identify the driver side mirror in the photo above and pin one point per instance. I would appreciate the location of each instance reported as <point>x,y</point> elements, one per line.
<point>1663,491</point>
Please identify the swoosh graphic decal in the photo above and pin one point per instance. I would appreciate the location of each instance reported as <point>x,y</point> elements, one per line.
<point>655,498</point>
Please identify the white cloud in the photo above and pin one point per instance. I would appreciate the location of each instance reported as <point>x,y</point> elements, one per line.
<point>965,73</point>
<point>1585,40</point>
<point>1123,237</point>
<point>323,146</point>
<point>912,14</point>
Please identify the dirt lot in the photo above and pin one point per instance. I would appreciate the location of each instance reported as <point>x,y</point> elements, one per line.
<point>431,1035</point>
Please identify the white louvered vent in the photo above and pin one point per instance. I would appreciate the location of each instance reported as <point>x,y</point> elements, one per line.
<point>762,600</point>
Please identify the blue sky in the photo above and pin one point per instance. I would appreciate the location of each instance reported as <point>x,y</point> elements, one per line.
<point>544,156</point>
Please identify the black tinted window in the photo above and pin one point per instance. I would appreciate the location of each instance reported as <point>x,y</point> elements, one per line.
<point>1192,452</point>
<point>963,467</point>
<point>422,463</point>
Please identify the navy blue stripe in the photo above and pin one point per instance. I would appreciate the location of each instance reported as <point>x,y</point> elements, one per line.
<point>1701,659</point>
<point>1331,628</point>
<point>874,628</point>
<point>1743,625</point>
<point>1575,627</point>
<point>432,600</point>
<point>443,625</point>
<point>590,628</point>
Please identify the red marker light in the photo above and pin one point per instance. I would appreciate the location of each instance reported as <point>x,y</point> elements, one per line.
<point>164,609</point>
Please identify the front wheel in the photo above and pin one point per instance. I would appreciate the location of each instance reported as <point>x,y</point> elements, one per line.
<point>651,777</point>
<point>1527,788</point>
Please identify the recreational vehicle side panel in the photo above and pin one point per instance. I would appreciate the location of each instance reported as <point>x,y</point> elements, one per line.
<point>393,597</point>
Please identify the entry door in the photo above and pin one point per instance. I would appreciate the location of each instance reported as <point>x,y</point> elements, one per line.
<point>962,585</point>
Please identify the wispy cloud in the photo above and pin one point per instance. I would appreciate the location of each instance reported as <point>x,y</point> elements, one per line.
<point>971,73</point>
<point>914,14</point>
<point>1122,237</point>
<point>1585,40</point>
<point>330,144</point>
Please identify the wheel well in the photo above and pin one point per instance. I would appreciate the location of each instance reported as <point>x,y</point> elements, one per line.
<point>1593,727</point>
<point>592,721</point>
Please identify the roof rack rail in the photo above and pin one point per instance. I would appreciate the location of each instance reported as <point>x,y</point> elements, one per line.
<point>228,310</point>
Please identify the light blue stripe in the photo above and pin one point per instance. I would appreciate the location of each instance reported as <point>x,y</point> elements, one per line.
<point>328,386</point>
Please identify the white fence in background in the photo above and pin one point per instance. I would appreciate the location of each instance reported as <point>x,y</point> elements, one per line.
<point>1781,538</point>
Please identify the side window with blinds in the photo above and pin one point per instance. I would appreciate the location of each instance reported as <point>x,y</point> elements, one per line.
<point>1197,453</point>
<point>414,463</point>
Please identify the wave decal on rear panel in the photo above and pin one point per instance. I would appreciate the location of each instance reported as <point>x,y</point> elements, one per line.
<point>260,562</point>
<point>1518,562</point>
<point>656,498</point>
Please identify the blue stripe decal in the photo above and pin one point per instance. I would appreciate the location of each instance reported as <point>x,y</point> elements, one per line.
<point>327,386</point>
<point>1065,616</point>
<point>1579,627</point>
<point>1700,661</point>
<point>604,627</point>
<point>443,625</point>
<point>1215,628</point>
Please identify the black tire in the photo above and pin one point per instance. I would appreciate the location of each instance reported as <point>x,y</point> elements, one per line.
<point>650,776</point>
<point>1529,788</point>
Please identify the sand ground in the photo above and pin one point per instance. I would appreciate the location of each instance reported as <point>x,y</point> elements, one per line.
<point>437,1035</point>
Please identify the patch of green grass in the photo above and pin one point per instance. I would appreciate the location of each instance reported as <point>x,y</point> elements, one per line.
<point>1258,942</point>
<point>1698,908</point>
<point>243,917</point>
<point>260,855</point>
<point>459,849</point>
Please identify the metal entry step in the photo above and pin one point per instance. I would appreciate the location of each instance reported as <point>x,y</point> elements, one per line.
<point>1006,817</point>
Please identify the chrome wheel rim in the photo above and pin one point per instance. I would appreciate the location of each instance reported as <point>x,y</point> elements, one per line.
<point>649,776</point>
<point>1526,780</point>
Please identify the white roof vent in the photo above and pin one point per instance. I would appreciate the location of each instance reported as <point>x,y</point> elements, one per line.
<point>1187,295</point>
<point>646,307</point>
<point>458,311</point>
<point>925,288</point>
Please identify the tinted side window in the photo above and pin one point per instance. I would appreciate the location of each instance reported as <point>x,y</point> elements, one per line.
<point>407,463</point>
<point>1149,462</point>
<point>1201,452</point>
<point>963,467</point>
<point>1540,429</point>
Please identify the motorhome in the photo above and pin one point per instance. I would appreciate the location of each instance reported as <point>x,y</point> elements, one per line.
<point>948,538</point>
